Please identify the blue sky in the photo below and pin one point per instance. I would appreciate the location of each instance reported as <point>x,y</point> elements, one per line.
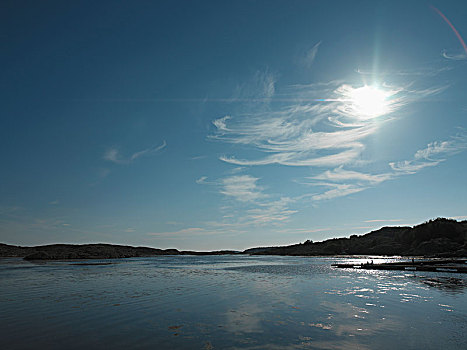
<point>229,124</point>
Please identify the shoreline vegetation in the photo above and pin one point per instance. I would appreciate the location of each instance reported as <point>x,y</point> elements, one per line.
<point>440,238</point>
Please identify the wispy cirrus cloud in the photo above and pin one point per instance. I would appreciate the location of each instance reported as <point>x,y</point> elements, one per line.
<point>184,231</point>
<point>259,89</point>
<point>433,154</point>
<point>336,190</point>
<point>113,154</point>
<point>242,188</point>
<point>324,125</point>
<point>383,220</point>
<point>340,174</point>
<point>341,182</point>
<point>276,211</point>
<point>310,55</point>
<point>208,229</point>
<point>201,180</point>
<point>249,204</point>
<point>454,56</point>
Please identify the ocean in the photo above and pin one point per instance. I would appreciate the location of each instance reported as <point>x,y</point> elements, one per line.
<point>227,302</point>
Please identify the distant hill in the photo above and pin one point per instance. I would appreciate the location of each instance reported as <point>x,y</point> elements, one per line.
<point>83,251</point>
<point>440,237</point>
<point>92,251</point>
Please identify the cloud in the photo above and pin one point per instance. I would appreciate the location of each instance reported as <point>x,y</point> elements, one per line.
<point>243,188</point>
<point>221,125</point>
<point>251,206</point>
<point>442,148</point>
<point>311,55</point>
<point>340,174</point>
<point>383,220</point>
<point>198,157</point>
<point>418,71</point>
<point>113,155</point>
<point>433,154</point>
<point>271,212</point>
<point>337,190</point>
<point>342,182</point>
<point>185,231</point>
<point>148,151</point>
<point>260,88</point>
<point>410,166</point>
<point>201,180</point>
<point>320,126</point>
<point>454,57</point>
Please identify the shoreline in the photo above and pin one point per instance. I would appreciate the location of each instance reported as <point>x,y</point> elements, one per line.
<point>439,238</point>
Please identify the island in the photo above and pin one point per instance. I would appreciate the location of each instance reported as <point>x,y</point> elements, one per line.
<point>441,237</point>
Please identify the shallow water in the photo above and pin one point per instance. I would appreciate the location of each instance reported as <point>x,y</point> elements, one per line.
<point>227,302</point>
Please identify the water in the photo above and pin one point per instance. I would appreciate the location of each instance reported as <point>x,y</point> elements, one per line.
<point>227,302</point>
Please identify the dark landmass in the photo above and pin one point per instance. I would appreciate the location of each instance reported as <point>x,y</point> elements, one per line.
<point>435,238</point>
<point>91,251</point>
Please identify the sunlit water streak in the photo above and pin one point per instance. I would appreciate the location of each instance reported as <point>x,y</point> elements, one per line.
<point>228,302</point>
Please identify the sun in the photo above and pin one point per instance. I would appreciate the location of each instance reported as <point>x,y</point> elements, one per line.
<point>370,102</point>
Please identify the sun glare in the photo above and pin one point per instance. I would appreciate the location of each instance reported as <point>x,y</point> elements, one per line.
<point>370,102</point>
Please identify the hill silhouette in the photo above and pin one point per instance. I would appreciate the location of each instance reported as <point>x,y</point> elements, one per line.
<point>440,237</point>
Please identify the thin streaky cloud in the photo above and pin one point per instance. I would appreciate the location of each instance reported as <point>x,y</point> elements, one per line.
<point>433,154</point>
<point>272,212</point>
<point>148,151</point>
<point>423,72</point>
<point>337,190</point>
<point>243,188</point>
<point>303,230</point>
<point>383,220</point>
<point>340,174</point>
<point>342,182</point>
<point>410,166</point>
<point>113,154</point>
<point>454,57</point>
<point>326,132</point>
<point>194,231</point>
<point>201,180</point>
<point>311,55</point>
<point>259,89</point>
<point>198,157</point>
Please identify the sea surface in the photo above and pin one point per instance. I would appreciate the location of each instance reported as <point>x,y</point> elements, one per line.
<point>227,302</point>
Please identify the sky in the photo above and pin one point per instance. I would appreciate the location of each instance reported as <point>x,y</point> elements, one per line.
<point>203,125</point>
